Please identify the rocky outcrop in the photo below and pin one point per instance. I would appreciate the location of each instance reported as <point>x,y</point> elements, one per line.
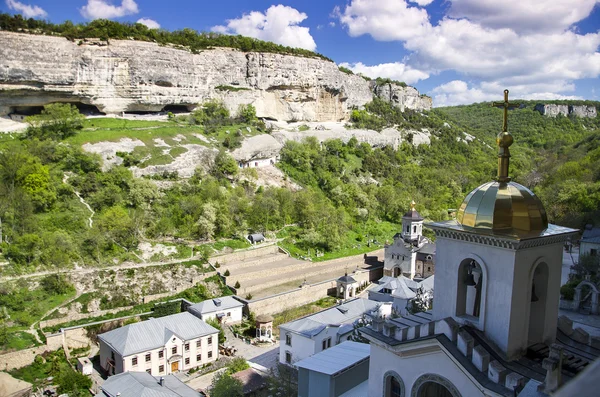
<point>126,76</point>
<point>402,97</point>
<point>551,110</point>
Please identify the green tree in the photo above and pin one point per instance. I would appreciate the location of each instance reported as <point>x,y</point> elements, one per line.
<point>224,385</point>
<point>224,166</point>
<point>247,113</point>
<point>57,121</point>
<point>237,364</point>
<point>57,284</point>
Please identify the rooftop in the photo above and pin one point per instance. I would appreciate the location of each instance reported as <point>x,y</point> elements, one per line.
<point>142,384</point>
<point>213,305</point>
<point>345,313</point>
<point>154,333</point>
<point>337,358</point>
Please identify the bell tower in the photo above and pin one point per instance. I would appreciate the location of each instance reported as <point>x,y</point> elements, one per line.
<point>499,263</point>
<point>412,224</point>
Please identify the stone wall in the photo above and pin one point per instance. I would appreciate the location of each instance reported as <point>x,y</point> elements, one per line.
<point>552,110</point>
<point>127,75</point>
<point>307,293</point>
<point>20,358</point>
<point>244,255</point>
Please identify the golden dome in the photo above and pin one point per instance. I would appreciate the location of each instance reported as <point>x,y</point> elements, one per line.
<point>503,208</point>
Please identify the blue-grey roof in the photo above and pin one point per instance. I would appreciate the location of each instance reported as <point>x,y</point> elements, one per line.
<point>154,333</point>
<point>346,313</point>
<point>590,232</point>
<point>337,358</point>
<point>142,384</point>
<point>214,305</point>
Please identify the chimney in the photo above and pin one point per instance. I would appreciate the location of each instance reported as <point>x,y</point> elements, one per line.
<point>162,381</point>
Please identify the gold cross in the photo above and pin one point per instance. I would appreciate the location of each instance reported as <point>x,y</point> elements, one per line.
<point>506,105</point>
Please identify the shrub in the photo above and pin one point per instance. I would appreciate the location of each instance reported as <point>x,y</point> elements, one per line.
<point>237,364</point>
<point>567,291</point>
<point>249,297</point>
<point>345,70</point>
<point>226,273</point>
<point>57,284</point>
<point>237,284</point>
<point>247,113</point>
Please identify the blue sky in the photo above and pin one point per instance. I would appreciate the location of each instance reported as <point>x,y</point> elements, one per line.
<point>457,51</point>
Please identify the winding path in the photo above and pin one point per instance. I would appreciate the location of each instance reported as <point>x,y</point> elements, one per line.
<point>90,220</point>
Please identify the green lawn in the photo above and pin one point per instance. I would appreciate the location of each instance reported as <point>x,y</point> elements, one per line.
<point>19,340</point>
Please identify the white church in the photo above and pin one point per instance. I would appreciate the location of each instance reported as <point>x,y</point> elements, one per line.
<point>493,327</point>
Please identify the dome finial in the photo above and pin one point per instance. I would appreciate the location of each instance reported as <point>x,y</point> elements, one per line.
<point>412,205</point>
<point>504,140</point>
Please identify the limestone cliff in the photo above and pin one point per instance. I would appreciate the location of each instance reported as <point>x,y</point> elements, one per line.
<point>126,75</point>
<point>552,110</point>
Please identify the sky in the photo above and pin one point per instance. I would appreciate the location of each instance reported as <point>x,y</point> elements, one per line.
<point>456,51</point>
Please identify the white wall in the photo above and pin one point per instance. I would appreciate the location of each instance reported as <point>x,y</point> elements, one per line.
<point>301,347</point>
<point>235,315</point>
<point>504,317</point>
<point>584,248</point>
<point>258,163</point>
<point>410,368</point>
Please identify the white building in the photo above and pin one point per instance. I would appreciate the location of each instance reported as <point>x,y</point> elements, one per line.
<point>142,384</point>
<point>226,309</point>
<point>411,254</point>
<point>496,294</point>
<point>159,346</point>
<point>401,291</point>
<point>309,335</point>
<point>590,241</point>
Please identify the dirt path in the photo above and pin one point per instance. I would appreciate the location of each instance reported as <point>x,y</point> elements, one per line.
<point>92,212</point>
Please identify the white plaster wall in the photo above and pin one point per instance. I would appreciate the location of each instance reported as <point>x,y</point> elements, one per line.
<point>301,347</point>
<point>259,163</point>
<point>235,315</point>
<point>412,367</point>
<point>584,248</point>
<point>506,293</point>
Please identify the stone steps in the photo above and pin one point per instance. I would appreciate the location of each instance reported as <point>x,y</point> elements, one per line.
<point>258,262</point>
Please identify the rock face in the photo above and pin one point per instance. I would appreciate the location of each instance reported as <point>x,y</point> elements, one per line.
<point>125,76</point>
<point>551,110</point>
<point>402,97</point>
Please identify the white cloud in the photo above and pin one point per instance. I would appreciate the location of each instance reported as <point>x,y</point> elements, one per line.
<point>278,24</point>
<point>385,20</point>
<point>535,61</point>
<point>422,3</point>
<point>332,24</point>
<point>27,10</point>
<point>523,16</point>
<point>97,9</point>
<point>150,23</point>
<point>395,71</point>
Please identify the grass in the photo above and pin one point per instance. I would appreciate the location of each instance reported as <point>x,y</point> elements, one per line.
<point>355,242</point>
<point>302,311</point>
<point>234,244</point>
<point>19,340</point>
<point>230,88</point>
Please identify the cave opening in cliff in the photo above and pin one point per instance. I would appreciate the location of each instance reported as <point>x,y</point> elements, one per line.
<point>177,108</point>
<point>88,110</point>
<point>27,110</point>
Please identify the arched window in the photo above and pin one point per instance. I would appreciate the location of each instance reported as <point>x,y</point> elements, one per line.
<point>393,386</point>
<point>469,291</point>
<point>432,385</point>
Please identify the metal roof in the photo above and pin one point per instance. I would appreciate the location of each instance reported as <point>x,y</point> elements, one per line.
<point>590,232</point>
<point>350,311</point>
<point>142,384</point>
<point>214,305</point>
<point>337,358</point>
<point>154,333</point>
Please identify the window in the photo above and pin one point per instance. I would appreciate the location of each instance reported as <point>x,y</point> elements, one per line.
<point>149,371</point>
<point>198,343</point>
<point>288,357</point>
<point>414,229</point>
<point>326,343</point>
<point>210,354</point>
<point>593,252</point>
<point>161,369</point>
<point>428,268</point>
<point>228,314</point>
<point>161,354</point>
<point>210,340</point>
<point>148,357</point>
<point>187,361</point>
<point>187,347</point>
<point>396,390</point>
<point>174,350</point>
<point>198,357</point>
<point>134,361</point>
<point>288,339</point>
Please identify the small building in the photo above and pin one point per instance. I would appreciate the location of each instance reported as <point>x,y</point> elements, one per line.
<point>159,346</point>
<point>342,370</point>
<point>264,328</point>
<point>253,382</point>
<point>142,384</point>
<point>256,238</point>
<point>226,309</point>
<point>306,336</point>
<point>401,291</point>
<point>84,365</point>
<point>346,287</point>
<point>590,241</point>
